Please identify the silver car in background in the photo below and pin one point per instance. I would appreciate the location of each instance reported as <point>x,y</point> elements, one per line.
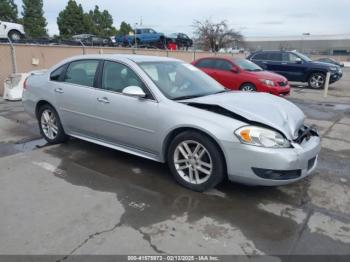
<point>167,110</point>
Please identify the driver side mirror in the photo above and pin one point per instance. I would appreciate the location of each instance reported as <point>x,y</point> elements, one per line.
<point>298,60</point>
<point>235,70</point>
<point>134,91</point>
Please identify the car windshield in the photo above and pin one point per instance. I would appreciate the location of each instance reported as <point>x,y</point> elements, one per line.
<point>247,65</point>
<point>304,57</point>
<point>177,80</point>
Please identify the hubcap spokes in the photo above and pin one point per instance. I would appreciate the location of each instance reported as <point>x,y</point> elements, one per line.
<point>49,124</point>
<point>248,88</point>
<point>193,162</point>
<point>317,81</point>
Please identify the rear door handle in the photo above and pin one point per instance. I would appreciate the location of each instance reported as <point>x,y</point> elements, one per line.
<point>103,100</point>
<point>59,90</point>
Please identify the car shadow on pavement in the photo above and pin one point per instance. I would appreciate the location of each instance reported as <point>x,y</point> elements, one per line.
<point>150,195</point>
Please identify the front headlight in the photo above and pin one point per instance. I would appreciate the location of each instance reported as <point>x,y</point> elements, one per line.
<point>333,68</point>
<point>259,136</point>
<point>267,82</point>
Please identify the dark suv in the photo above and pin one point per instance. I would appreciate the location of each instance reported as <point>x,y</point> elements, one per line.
<point>297,67</point>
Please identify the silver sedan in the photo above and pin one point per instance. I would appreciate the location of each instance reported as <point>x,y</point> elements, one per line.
<point>169,111</point>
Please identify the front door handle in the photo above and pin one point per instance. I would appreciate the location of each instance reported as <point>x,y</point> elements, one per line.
<point>103,100</point>
<point>59,90</point>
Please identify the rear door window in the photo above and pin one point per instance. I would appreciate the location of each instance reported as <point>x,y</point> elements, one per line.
<point>260,56</point>
<point>82,72</point>
<point>206,63</point>
<point>275,56</point>
<point>223,65</point>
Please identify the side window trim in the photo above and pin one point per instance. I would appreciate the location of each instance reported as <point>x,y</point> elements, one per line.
<point>63,75</point>
<point>79,60</point>
<point>150,95</point>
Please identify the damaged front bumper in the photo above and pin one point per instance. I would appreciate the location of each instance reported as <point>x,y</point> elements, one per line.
<point>271,166</point>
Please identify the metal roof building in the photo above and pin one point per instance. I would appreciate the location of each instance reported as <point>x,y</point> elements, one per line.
<point>306,43</point>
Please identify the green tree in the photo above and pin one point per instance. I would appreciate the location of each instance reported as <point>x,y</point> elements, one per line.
<point>102,23</point>
<point>33,18</point>
<point>8,11</point>
<point>124,29</point>
<point>73,21</point>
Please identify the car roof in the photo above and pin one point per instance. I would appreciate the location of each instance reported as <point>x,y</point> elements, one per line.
<point>275,51</point>
<point>228,58</point>
<point>134,58</point>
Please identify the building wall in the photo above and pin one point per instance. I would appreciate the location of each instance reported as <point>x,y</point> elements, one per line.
<point>305,46</point>
<point>48,56</point>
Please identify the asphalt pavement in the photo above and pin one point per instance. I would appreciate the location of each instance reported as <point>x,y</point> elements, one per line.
<point>81,198</point>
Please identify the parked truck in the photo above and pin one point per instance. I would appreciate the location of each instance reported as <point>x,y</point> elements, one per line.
<point>144,37</point>
<point>11,30</point>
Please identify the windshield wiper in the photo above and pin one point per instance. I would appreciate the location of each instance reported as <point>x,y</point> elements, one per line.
<point>221,91</point>
<point>194,96</point>
<point>186,97</point>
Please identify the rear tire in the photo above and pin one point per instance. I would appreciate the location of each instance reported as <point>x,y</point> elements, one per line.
<point>195,161</point>
<point>317,80</point>
<point>248,87</point>
<point>50,125</point>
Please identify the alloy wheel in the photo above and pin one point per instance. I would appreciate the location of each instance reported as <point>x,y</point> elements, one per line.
<point>248,88</point>
<point>193,162</point>
<point>317,81</point>
<point>49,124</point>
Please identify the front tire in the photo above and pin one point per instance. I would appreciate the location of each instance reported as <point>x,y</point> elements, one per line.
<point>317,80</point>
<point>247,87</point>
<point>50,125</point>
<point>195,161</point>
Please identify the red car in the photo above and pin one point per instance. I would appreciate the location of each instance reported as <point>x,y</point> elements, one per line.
<point>242,74</point>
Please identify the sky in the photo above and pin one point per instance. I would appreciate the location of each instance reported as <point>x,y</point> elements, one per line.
<point>253,18</point>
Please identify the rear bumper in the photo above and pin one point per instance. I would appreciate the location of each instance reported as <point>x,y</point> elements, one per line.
<point>287,165</point>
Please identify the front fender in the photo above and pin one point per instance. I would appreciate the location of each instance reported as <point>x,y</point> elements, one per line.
<point>314,70</point>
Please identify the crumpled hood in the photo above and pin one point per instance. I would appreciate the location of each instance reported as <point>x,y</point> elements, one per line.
<point>264,108</point>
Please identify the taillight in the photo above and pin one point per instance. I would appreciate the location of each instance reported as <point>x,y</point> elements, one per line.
<point>25,86</point>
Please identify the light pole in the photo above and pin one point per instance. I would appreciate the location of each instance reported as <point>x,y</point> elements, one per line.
<point>302,41</point>
<point>135,39</point>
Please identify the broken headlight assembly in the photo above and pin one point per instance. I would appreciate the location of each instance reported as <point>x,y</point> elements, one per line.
<point>263,137</point>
